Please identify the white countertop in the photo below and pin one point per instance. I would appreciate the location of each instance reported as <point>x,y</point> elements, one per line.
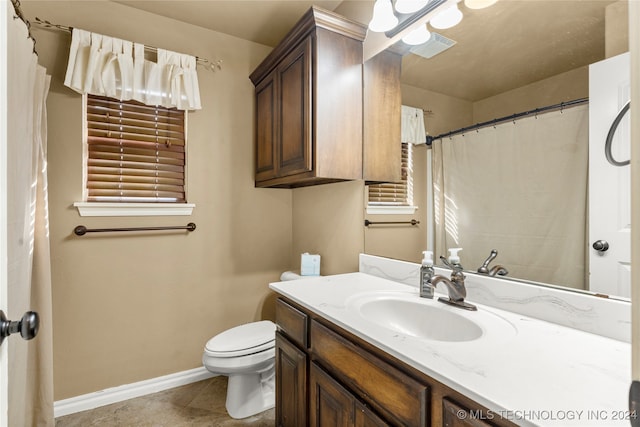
<point>532,372</point>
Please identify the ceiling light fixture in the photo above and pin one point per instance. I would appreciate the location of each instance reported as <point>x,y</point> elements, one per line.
<point>418,36</point>
<point>383,17</point>
<point>448,18</point>
<point>479,4</point>
<point>410,6</point>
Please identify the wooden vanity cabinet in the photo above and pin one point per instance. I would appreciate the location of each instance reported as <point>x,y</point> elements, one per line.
<point>327,377</point>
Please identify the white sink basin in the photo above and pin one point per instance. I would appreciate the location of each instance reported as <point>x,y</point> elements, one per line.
<point>412,316</point>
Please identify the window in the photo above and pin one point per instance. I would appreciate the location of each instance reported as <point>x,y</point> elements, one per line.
<point>134,153</point>
<point>393,197</point>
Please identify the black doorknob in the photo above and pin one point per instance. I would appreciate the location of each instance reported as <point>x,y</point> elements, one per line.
<point>27,326</point>
<point>601,245</point>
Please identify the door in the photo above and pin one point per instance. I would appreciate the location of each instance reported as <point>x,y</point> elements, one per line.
<point>294,130</point>
<point>291,384</point>
<point>266,137</point>
<point>330,405</point>
<point>4,363</point>
<point>609,185</point>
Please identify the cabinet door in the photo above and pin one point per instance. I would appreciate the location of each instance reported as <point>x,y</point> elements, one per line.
<point>330,404</point>
<point>294,79</point>
<point>266,137</point>
<point>382,157</point>
<point>291,384</point>
<point>366,418</point>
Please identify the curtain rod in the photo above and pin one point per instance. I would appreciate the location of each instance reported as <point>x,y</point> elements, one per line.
<point>206,63</point>
<point>493,122</point>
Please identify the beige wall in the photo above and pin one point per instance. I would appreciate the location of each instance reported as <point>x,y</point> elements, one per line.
<point>616,28</point>
<point>328,220</point>
<point>564,87</point>
<point>444,113</point>
<point>132,307</point>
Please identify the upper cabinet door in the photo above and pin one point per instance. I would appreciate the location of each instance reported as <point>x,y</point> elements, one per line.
<point>294,78</point>
<point>266,107</point>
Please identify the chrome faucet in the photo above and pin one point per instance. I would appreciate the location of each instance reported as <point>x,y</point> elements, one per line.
<point>496,269</point>
<point>455,286</point>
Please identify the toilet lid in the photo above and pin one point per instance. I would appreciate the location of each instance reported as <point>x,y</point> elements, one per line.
<point>243,339</point>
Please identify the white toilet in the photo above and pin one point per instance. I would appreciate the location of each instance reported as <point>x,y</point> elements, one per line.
<point>246,354</point>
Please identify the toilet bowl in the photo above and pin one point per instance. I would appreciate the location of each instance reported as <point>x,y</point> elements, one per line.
<point>246,354</point>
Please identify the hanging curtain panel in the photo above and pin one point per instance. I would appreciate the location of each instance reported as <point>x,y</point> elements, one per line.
<point>30,374</point>
<point>106,66</point>
<point>518,187</point>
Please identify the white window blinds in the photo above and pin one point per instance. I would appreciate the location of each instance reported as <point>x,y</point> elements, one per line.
<point>396,194</point>
<point>135,153</point>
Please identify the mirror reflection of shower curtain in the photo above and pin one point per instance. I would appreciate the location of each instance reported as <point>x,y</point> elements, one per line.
<point>521,188</point>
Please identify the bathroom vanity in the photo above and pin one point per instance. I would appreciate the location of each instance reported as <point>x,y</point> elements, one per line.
<point>356,349</point>
<point>351,381</point>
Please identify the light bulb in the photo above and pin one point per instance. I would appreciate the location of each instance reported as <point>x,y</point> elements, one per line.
<point>448,18</point>
<point>410,6</point>
<point>479,4</point>
<point>418,36</point>
<point>383,17</point>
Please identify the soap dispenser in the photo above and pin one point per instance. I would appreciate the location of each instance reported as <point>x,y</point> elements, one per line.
<point>454,258</point>
<point>426,273</point>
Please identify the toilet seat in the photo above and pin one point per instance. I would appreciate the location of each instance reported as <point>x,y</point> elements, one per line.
<point>242,340</point>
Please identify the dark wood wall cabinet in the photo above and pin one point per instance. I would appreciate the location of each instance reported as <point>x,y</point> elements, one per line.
<point>309,94</point>
<point>327,377</point>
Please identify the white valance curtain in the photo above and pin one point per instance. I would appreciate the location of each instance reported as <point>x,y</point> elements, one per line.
<point>413,130</point>
<point>521,188</point>
<point>107,66</point>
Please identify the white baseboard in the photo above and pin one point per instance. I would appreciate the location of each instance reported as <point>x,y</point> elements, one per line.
<point>128,391</point>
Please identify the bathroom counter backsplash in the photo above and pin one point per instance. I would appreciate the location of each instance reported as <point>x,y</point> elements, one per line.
<point>542,374</point>
<point>602,316</point>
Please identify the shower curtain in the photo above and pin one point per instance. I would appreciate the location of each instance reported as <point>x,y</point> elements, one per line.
<point>29,274</point>
<point>519,187</point>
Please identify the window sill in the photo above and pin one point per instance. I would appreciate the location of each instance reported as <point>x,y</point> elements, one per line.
<point>134,209</point>
<point>391,210</point>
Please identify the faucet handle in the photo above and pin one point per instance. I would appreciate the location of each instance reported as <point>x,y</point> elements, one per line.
<point>455,266</point>
<point>484,268</point>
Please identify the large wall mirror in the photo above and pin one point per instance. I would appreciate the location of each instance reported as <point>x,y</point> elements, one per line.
<point>512,57</point>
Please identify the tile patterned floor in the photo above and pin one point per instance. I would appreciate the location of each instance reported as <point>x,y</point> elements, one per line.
<point>199,404</point>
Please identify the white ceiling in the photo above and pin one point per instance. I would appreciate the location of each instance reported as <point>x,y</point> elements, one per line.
<point>508,45</point>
